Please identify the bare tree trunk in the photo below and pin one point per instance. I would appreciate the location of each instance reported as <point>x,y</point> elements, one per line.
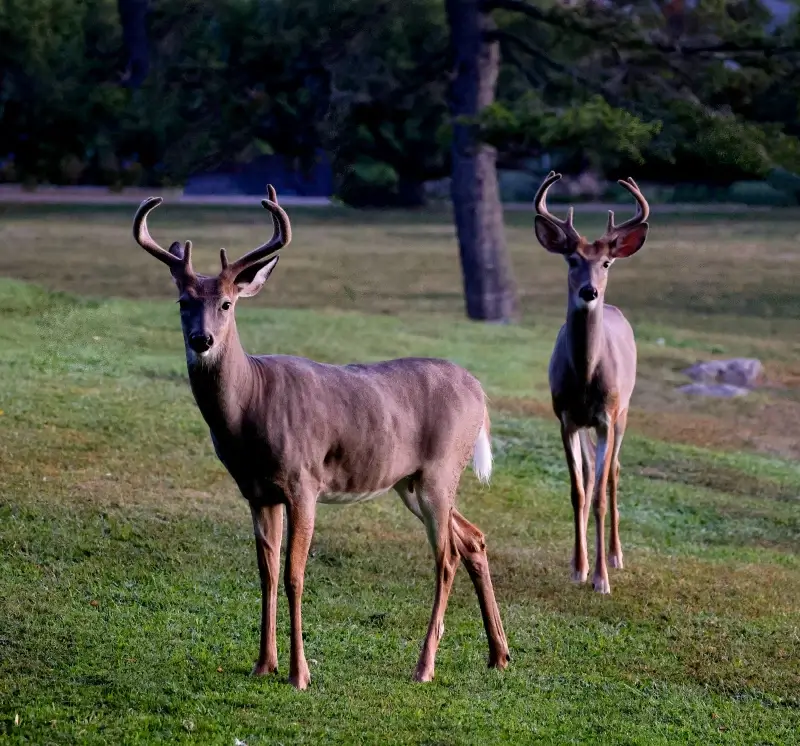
<point>488,281</point>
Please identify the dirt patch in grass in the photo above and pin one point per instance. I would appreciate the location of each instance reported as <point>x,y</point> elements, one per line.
<point>783,373</point>
<point>771,428</point>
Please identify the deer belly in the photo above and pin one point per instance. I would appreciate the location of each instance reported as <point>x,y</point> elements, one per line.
<point>348,498</point>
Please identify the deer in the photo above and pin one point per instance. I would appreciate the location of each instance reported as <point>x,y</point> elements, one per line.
<point>592,371</point>
<point>293,433</point>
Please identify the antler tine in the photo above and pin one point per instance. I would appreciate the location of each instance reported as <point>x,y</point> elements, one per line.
<point>540,205</point>
<point>281,236</point>
<point>642,207</point>
<point>143,237</point>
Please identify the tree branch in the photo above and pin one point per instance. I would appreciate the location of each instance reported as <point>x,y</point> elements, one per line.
<point>519,6</point>
<point>507,36</point>
<point>613,31</point>
<point>572,72</point>
<point>753,46</point>
<point>553,18</point>
<point>537,81</point>
<point>604,89</point>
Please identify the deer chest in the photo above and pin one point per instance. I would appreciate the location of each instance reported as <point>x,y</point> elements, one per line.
<point>585,405</point>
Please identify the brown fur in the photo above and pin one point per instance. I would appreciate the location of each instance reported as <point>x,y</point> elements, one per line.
<point>592,372</point>
<point>293,432</point>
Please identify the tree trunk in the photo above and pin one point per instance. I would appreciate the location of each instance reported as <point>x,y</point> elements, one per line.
<point>133,17</point>
<point>488,281</point>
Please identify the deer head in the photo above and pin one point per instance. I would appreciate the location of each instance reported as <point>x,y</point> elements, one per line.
<point>207,303</point>
<point>589,262</point>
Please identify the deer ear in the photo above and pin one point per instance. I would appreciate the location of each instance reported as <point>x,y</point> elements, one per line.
<point>628,242</point>
<point>249,284</point>
<point>550,236</point>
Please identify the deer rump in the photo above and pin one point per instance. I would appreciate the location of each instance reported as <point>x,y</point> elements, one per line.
<point>349,433</point>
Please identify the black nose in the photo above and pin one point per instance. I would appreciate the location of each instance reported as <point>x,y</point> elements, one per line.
<point>201,342</point>
<point>588,293</point>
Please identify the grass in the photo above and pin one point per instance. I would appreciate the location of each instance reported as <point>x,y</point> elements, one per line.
<point>129,597</point>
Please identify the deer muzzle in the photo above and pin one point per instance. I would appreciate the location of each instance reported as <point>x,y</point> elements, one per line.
<point>201,342</point>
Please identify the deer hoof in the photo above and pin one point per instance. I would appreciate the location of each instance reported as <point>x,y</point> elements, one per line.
<point>615,561</point>
<point>601,585</point>
<point>579,576</point>
<point>499,661</point>
<point>300,680</point>
<point>264,669</point>
<point>423,674</point>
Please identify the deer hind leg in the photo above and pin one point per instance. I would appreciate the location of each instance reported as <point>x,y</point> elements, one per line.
<point>572,451</point>
<point>615,547</point>
<point>471,546</point>
<point>603,461</point>
<point>300,512</point>
<point>268,530</point>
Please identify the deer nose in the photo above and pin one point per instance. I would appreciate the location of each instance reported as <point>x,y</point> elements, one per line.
<point>588,293</point>
<point>201,342</point>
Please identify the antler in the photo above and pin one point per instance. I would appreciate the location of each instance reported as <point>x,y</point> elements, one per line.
<point>281,236</point>
<point>642,208</point>
<point>145,240</point>
<point>540,204</point>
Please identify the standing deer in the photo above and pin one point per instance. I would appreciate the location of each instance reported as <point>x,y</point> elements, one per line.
<point>293,432</point>
<point>592,370</point>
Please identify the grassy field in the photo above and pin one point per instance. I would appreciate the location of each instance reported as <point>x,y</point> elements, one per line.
<point>129,597</point>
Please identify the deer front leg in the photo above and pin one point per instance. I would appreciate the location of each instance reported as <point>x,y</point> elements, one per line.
<point>603,460</point>
<point>300,512</point>
<point>268,530</point>
<point>587,456</point>
<point>572,450</point>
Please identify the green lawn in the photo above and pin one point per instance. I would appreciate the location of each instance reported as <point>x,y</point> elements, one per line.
<point>129,596</point>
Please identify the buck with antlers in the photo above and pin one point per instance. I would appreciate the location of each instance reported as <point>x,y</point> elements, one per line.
<point>592,371</point>
<point>292,432</point>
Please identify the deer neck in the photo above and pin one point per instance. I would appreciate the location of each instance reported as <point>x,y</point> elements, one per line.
<point>585,338</point>
<point>222,384</point>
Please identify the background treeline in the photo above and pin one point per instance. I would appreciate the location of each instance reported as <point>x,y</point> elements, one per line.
<point>192,85</point>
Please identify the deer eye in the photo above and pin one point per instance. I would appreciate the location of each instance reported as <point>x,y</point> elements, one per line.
<point>606,264</point>
<point>572,261</point>
<point>226,305</point>
<point>184,304</point>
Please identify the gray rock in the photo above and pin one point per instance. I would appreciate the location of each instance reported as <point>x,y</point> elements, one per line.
<point>740,372</point>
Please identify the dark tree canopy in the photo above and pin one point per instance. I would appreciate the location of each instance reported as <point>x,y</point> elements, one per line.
<point>126,91</point>
<point>671,86</point>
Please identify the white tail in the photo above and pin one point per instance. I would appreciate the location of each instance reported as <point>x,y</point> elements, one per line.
<point>482,457</point>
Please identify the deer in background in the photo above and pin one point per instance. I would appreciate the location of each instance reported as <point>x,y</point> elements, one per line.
<point>592,371</point>
<point>293,432</point>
